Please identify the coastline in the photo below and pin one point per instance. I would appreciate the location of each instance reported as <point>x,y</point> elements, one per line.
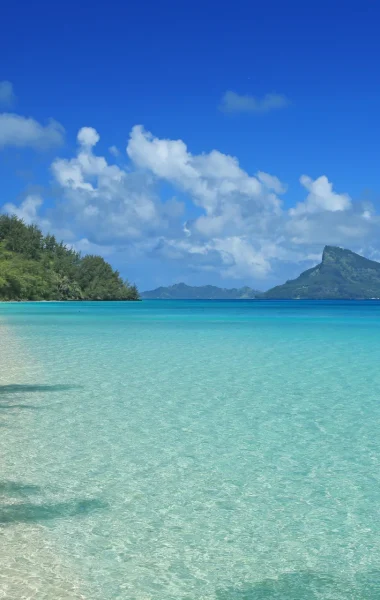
<point>32,567</point>
<point>64,301</point>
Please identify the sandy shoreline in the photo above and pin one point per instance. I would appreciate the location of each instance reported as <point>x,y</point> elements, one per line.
<point>31,566</point>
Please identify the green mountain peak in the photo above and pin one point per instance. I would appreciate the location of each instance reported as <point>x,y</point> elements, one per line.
<point>342,274</point>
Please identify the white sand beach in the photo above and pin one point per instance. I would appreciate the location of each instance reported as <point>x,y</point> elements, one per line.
<point>31,566</point>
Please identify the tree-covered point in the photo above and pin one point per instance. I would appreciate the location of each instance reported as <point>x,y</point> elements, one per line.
<point>38,267</point>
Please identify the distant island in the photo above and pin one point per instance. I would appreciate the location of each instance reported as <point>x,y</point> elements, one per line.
<point>38,267</point>
<point>342,274</point>
<point>181,291</point>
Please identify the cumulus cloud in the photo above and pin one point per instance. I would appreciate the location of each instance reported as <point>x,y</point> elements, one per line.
<point>233,223</point>
<point>235,208</point>
<point>7,96</point>
<point>242,229</point>
<point>239,103</point>
<point>88,137</point>
<point>212,179</point>
<point>328,217</point>
<point>321,197</point>
<point>27,210</point>
<point>19,131</point>
<point>109,204</point>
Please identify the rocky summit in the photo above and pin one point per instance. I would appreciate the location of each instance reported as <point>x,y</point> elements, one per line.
<point>342,274</point>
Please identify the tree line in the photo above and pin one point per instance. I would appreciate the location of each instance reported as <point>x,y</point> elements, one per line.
<point>38,267</point>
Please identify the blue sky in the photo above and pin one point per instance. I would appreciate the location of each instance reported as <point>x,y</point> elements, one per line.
<point>226,95</point>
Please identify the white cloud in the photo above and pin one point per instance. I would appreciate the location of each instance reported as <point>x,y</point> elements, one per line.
<point>7,96</point>
<point>233,224</point>
<point>236,207</point>
<point>19,131</point>
<point>212,179</point>
<point>237,103</point>
<point>241,257</point>
<point>25,132</point>
<point>107,203</point>
<point>242,230</point>
<point>28,209</point>
<point>321,197</point>
<point>88,137</point>
<point>347,228</point>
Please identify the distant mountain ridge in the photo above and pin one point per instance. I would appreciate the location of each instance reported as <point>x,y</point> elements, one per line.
<point>181,291</point>
<point>342,274</point>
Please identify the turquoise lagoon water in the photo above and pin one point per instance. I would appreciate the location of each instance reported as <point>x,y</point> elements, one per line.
<point>190,450</point>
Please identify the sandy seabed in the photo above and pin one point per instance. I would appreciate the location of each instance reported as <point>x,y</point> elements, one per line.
<point>30,566</point>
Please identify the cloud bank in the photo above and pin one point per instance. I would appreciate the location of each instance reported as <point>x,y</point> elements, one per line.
<point>228,222</point>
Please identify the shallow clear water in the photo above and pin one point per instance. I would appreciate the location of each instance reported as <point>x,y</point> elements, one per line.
<point>190,450</point>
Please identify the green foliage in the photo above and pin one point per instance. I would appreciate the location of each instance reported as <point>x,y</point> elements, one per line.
<point>99,282</point>
<point>342,274</point>
<point>34,267</point>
